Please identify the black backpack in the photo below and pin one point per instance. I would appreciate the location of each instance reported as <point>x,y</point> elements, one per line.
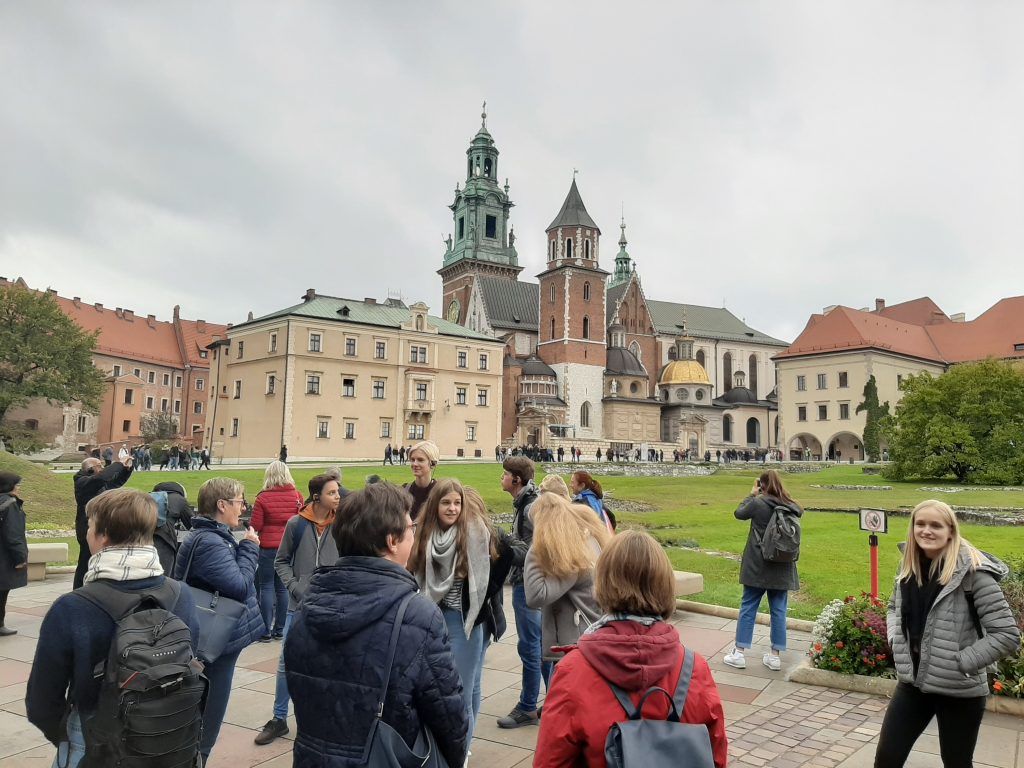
<point>780,542</point>
<point>150,709</point>
<point>638,742</point>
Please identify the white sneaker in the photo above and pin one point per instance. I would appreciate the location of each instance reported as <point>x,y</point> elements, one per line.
<point>736,659</point>
<point>773,662</point>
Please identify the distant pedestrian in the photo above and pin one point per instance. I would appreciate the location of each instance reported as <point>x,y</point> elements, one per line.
<point>13,544</point>
<point>283,454</point>
<point>388,454</point>
<point>108,456</point>
<point>204,457</point>
<point>401,454</point>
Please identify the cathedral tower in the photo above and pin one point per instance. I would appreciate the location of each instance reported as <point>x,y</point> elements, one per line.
<point>482,242</point>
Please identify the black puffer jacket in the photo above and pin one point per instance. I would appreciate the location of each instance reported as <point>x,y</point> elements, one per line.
<point>755,571</point>
<point>335,656</point>
<point>13,544</point>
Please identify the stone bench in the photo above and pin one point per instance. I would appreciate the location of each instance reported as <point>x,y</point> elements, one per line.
<point>688,583</point>
<point>41,553</point>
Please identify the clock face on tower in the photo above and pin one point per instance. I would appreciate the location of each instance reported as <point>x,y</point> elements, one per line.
<point>453,311</point>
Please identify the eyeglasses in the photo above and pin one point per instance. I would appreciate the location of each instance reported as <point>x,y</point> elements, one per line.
<point>234,501</point>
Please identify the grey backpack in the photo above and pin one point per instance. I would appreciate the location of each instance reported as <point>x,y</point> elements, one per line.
<point>638,743</point>
<point>780,542</point>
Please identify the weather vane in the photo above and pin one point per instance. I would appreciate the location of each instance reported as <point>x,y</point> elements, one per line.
<point>574,172</point>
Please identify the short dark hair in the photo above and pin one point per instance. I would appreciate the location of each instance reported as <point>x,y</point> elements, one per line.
<point>368,516</point>
<point>317,483</point>
<point>519,467</point>
<point>9,481</point>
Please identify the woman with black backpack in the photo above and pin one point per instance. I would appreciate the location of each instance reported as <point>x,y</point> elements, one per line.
<point>759,575</point>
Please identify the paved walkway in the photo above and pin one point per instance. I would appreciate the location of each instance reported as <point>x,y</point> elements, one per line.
<point>771,722</point>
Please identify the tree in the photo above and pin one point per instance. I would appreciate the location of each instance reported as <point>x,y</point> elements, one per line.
<point>158,426</point>
<point>44,354</point>
<point>875,413</point>
<point>968,423</point>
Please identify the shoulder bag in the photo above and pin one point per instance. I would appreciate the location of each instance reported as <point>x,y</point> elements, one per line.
<point>218,616</point>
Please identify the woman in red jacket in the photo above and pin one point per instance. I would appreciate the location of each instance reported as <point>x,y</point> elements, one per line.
<point>275,505</point>
<point>632,646</point>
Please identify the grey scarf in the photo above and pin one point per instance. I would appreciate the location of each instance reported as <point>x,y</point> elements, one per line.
<point>442,562</point>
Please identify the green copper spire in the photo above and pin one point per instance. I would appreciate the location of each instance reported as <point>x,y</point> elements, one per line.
<point>623,264</point>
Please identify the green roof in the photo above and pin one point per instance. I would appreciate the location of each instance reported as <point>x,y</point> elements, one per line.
<point>389,314</point>
<point>708,322</point>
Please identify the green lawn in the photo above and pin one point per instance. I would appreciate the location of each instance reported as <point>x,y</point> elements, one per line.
<point>696,511</point>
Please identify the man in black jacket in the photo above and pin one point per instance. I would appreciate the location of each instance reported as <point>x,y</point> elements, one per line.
<point>90,481</point>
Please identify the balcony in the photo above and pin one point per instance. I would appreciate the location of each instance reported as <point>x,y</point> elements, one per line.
<point>419,406</point>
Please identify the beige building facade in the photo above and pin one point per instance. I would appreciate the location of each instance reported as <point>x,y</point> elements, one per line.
<point>335,379</point>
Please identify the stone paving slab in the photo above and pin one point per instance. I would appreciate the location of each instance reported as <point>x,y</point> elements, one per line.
<point>770,722</point>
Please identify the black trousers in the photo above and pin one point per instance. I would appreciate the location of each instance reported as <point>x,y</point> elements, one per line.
<point>908,715</point>
<point>3,605</point>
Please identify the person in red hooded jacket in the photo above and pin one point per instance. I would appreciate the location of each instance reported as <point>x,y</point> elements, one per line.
<point>632,646</point>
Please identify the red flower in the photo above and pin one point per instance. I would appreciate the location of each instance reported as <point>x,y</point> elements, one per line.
<point>840,645</point>
<point>817,647</point>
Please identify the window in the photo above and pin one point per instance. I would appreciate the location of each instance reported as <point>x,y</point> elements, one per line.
<point>137,372</point>
<point>727,429</point>
<point>463,359</point>
<point>149,403</point>
<point>551,292</point>
<point>348,387</point>
<point>801,383</point>
<point>385,428</point>
<point>234,427</point>
<point>200,385</point>
<point>273,343</point>
<point>586,327</point>
<point>164,403</point>
<point>197,407</point>
<point>117,370</point>
<point>416,432</point>
<point>241,349</point>
<point>586,291</point>
<point>323,427</point>
<point>82,423</point>
<point>271,383</point>
<point>552,328</point>
<point>483,362</point>
<point>177,406</point>
<point>421,390</point>
<point>350,346</point>
<point>238,389</point>
<point>899,380</point>
<point>380,350</point>
<point>844,380</point>
<point>129,397</point>
<point>126,425</point>
<point>491,227</point>
<point>801,413</point>
<point>586,248</point>
<point>462,227</point>
<point>202,354</point>
<point>460,395</point>
<point>1018,347</point>
<point>312,384</point>
<point>822,413</point>
<point>167,379</point>
<point>471,432</point>
<point>350,430</point>
<point>585,415</point>
<point>417,354</point>
<point>568,248</point>
<point>378,389</point>
<point>822,381</point>
<point>481,397</point>
<point>314,343</point>
<point>177,381</point>
<point>151,378</point>
<point>844,410</point>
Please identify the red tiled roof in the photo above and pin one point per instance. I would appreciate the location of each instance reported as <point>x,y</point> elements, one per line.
<point>921,311</point>
<point>196,334</point>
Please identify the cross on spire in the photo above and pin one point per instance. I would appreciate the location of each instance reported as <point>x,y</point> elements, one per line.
<point>483,115</point>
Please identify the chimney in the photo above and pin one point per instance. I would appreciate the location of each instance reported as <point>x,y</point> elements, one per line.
<point>177,312</point>
<point>129,315</point>
<point>879,305</point>
<point>249,318</point>
<point>77,301</point>
<point>117,312</point>
<point>151,321</point>
<point>310,294</point>
<point>201,326</point>
<point>369,300</point>
<point>959,317</point>
<point>99,307</point>
<point>228,326</point>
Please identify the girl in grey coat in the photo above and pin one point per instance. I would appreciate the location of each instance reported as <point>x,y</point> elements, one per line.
<point>759,576</point>
<point>940,656</point>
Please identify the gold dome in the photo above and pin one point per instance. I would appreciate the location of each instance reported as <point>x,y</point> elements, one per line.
<point>684,372</point>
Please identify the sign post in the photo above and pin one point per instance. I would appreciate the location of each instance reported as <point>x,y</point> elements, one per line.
<point>874,521</point>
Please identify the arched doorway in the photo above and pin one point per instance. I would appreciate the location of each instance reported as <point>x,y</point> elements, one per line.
<point>753,432</point>
<point>804,447</point>
<point>844,446</point>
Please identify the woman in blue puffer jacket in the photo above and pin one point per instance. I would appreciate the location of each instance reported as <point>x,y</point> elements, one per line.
<point>586,490</point>
<point>211,559</point>
<point>336,649</point>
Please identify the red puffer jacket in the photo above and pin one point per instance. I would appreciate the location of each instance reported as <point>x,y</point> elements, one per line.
<point>273,508</point>
<point>580,707</point>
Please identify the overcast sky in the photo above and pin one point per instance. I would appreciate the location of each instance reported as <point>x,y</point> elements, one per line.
<point>773,157</point>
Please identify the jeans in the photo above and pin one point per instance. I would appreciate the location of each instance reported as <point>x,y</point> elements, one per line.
<point>272,593</point>
<point>281,689</point>
<point>909,713</point>
<point>468,654</point>
<point>220,674</point>
<point>529,647</point>
<point>70,752</point>
<point>778,600</point>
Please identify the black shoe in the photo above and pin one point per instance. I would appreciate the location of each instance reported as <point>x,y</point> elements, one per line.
<point>266,639</point>
<point>518,717</point>
<point>7,631</point>
<point>278,635</point>
<point>271,731</point>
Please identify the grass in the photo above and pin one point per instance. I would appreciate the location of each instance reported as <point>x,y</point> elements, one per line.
<point>697,510</point>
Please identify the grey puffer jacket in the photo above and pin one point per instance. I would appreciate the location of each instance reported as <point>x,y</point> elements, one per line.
<point>953,657</point>
<point>755,571</point>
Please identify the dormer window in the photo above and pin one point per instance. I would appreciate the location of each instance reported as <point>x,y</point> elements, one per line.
<point>344,311</point>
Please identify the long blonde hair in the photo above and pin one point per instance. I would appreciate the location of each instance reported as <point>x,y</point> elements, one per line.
<point>945,564</point>
<point>561,535</point>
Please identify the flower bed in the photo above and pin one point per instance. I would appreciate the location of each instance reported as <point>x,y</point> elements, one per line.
<point>849,637</point>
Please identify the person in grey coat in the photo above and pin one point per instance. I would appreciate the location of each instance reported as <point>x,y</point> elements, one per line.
<point>940,649</point>
<point>759,576</point>
<point>13,544</point>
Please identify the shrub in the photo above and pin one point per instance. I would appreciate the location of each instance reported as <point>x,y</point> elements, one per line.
<point>1008,677</point>
<point>849,637</point>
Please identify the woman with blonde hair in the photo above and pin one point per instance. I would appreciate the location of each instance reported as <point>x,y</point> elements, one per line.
<point>947,621</point>
<point>460,563</point>
<point>558,576</point>
<point>423,458</point>
<point>275,505</point>
<point>554,484</point>
<point>632,646</point>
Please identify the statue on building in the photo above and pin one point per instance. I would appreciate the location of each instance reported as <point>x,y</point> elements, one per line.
<point>615,387</point>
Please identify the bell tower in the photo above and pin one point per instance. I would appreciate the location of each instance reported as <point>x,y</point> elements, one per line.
<point>482,242</point>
